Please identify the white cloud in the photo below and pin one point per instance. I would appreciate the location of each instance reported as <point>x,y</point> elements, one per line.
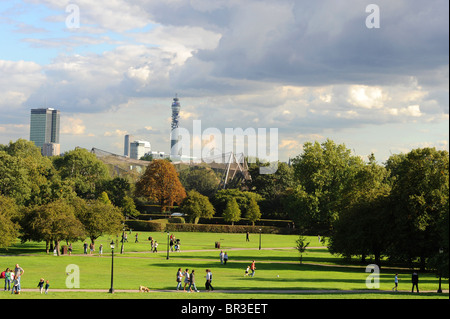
<point>366,97</point>
<point>72,126</point>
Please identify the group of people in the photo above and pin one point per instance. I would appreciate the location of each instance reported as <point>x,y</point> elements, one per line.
<point>223,257</point>
<point>12,279</point>
<point>153,245</point>
<point>189,280</point>
<point>251,268</point>
<point>41,285</point>
<point>414,280</point>
<point>91,249</point>
<point>174,243</point>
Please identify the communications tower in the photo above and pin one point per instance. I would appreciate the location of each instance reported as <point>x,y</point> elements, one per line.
<point>174,148</point>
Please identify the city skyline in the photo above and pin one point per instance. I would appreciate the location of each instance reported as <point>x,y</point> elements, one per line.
<point>312,70</point>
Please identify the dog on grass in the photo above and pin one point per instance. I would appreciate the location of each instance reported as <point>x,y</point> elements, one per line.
<point>143,289</point>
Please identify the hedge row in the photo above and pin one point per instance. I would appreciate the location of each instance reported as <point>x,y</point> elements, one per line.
<point>163,225</point>
<point>220,220</point>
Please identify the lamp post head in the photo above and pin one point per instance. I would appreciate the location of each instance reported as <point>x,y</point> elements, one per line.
<point>112,244</point>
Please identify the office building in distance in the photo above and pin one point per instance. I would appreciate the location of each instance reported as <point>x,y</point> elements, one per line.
<point>139,149</point>
<point>44,129</point>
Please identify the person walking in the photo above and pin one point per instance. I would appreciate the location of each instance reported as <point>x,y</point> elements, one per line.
<point>192,282</point>
<point>186,279</point>
<point>247,237</point>
<point>100,250</point>
<point>85,246</point>
<point>208,285</point>
<point>41,285</point>
<point>47,285</point>
<point>225,258</point>
<point>395,283</point>
<point>179,277</point>
<point>252,268</point>
<point>415,281</point>
<point>221,257</point>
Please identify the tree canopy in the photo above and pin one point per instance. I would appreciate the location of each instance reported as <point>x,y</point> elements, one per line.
<point>160,183</point>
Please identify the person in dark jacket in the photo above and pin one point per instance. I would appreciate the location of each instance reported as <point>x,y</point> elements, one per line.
<point>415,281</point>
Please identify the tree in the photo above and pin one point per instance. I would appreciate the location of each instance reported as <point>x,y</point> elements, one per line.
<point>201,179</point>
<point>99,218</point>
<point>272,188</point>
<point>160,184</point>
<point>86,171</point>
<point>232,213</point>
<point>14,180</point>
<point>301,246</point>
<point>320,174</point>
<point>52,222</point>
<point>9,229</point>
<point>362,227</point>
<point>420,190</point>
<point>104,198</point>
<point>129,207</point>
<point>253,212</point>
<point>197,206</point>
<point>117,188</point>
<point>242,198</point>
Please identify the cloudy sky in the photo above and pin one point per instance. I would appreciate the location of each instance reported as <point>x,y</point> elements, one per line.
<point>311,69</point>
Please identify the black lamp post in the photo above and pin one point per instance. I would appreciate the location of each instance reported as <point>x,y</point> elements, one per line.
<point>111,290</point>
<point>167,246</point>
<point>441,251</point>
<point>260,239</point>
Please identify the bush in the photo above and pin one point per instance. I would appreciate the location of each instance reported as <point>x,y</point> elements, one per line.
<point>187,227</point>
<point>157,225</point>
<point>177,220</point>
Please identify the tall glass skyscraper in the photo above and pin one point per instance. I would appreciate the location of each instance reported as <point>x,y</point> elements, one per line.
<point>44,126</point>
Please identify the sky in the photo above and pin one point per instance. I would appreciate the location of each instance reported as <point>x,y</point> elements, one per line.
<point>375,80</point>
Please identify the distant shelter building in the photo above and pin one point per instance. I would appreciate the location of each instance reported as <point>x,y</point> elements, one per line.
<point>44,128</point>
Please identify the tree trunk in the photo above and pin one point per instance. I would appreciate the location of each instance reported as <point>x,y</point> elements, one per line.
<point>58,252</point>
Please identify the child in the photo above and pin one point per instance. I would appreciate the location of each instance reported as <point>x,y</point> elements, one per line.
<point>246,271</point>
<point>41,285</point>
<point>15,289</point>
<point>47,285</point>
<point>396,283</point>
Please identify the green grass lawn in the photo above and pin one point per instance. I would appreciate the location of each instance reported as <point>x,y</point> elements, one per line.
<point>277,268</point>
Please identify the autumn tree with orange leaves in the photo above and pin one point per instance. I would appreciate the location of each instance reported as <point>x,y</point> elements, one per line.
<point>160,184</point>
